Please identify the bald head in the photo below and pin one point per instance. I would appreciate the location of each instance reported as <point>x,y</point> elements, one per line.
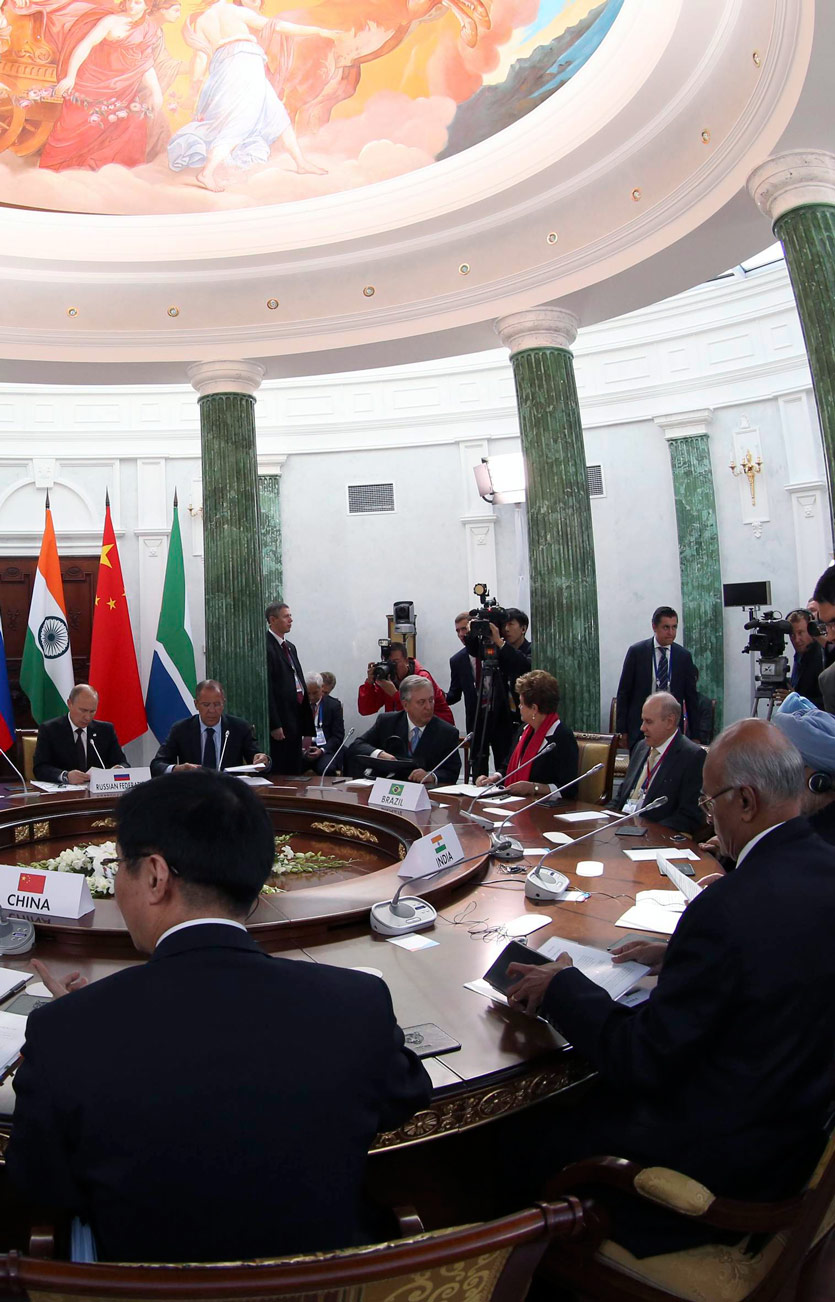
<point>755,776</point>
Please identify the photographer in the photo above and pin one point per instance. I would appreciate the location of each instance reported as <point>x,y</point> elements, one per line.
<point>380,689</point>
<point>498,644</point>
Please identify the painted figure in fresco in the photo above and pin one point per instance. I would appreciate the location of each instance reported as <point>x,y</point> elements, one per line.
<point>109,89</point>
<point>239,116</point>
<point>313,80</point>
<point>168,70</point>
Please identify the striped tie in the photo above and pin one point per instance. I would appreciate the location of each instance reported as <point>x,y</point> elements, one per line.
<point>414,738</point>
<point>662,673</point>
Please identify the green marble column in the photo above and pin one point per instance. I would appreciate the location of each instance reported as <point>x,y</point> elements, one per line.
<point>698,550</point>
<point>233,591</point>
<point>269,502</point>
<point>564,619</point>
<point>797,191</point>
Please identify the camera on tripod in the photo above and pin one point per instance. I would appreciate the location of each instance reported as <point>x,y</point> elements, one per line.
<point>767,640</point>
<point>486,613</point>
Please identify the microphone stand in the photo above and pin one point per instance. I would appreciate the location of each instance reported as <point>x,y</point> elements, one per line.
<point>96,749</point>
<point>400,917</point>
<point>488,791</point>
<point>27,791</point>
<point>223,751</point>
<point>545,883</point>
<point>349,734</point>
<point>433,772</point>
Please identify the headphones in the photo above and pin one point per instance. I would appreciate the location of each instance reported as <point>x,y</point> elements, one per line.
<point>820,783</point>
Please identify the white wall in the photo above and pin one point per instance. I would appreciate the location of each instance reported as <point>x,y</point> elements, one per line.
<point>732,349</point>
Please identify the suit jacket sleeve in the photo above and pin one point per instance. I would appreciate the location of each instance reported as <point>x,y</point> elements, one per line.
<point>687,817</point>
<point>691,697</point>
<point>45,764</point>
<point>336,726</point>
<point>626,689</point>
<point>169,751</point>
<point>448,772</point>
<point>406,1087</point>
<point>38,1157</point>
<point>810,672</point>
<point>647,1050</point>
<point>456,689</point>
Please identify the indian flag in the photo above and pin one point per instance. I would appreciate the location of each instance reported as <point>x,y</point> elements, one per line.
<point>46,674</point>
<point>173,677</point>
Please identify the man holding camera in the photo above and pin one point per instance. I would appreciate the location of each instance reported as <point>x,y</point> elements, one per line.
<point>380,691</point>
<point>498,653</point>
<point>808,656</point>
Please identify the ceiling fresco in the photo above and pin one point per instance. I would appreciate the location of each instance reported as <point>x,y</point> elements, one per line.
<point>170,106</point>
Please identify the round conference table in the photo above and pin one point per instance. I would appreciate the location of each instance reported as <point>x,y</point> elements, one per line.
<point>507,1061</point>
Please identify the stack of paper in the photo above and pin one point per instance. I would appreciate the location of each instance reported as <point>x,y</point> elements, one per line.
<point>615,978</point>
<point>654,911</point>
<point>12,1035</point>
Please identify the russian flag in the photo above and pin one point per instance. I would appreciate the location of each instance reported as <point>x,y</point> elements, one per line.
<point>7,729</point>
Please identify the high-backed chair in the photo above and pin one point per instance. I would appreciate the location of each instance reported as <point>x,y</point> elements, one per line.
<point>28,742</point>
<point>597,748</point>
<point>490,1262</point>
<point>787,1250</point>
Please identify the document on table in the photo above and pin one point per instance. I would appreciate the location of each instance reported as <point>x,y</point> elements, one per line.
<point>463,789</point>
<point>11,980</point>
<point>586,816</point>
<point>615,978</point>
<point>558,838</point>
<point>244,768</point>
<point>654,911</point>
<point>647,856</point>
<point>686,885</point>
<point>12,1035</point>
<point>49,787</point>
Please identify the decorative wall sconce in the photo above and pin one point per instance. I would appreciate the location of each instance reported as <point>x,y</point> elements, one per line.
<point>750,469</point>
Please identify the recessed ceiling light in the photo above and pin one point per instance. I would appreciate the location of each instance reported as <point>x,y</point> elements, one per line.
<point>173,311</point>
<point>72,311</point>
<point>369,291</point>
<point>272,304</point>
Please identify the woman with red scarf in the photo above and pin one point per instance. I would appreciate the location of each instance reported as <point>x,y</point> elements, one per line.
<point>539,698</point>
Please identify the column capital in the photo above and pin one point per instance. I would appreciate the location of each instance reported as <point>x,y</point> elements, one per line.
<point>271,464</point>
<point>791,180</point>
<point>685,424</point>
<point>225,377</point>
<point>538,327</point>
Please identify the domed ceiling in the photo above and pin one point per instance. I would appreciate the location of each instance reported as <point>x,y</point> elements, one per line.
<point>359,183</point>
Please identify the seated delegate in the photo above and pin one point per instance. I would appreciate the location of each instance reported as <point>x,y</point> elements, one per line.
<point>69,746</point>
<point>214,1103</point>
<point>413,740</point>
<point>539,699</point>
<point>664,763</point>
<point>209,739</point>
<point>726,1072</point>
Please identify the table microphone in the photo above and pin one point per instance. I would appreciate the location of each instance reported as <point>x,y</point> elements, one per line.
<point>545,883</point>
<point>223,751</point>
<point>488,791</point>
<point>463,742</point>
<point>400,917</point>
<point>506,848</point>
<point>349,734</point>
<point>27,791</point>
<point>96,749</point>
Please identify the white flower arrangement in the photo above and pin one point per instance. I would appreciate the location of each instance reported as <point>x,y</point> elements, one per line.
<point>88,861</point>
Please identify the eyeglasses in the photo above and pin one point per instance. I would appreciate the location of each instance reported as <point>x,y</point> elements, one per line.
<point>706,803</point>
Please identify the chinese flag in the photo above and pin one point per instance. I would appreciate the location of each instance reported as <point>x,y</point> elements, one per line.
<point>32,883</point>
<point>113,669</point>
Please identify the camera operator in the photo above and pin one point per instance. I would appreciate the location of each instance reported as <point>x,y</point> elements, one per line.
<point>380,689</point>
<point>496,640</point>
<point>808,656</point>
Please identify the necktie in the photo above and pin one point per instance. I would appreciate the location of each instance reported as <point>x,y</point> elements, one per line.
<point>795,671</point>
<point>299,693</point>
<point>644,776</point>
<point>81,753</point>
<point>209,750</point>
<point>414,738</point>
<point>662,673</point>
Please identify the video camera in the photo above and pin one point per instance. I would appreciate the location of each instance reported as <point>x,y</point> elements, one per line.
<point>767,635</point>
<point>486,613</point>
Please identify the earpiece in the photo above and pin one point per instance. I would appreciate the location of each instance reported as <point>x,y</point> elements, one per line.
<point>820,783</point>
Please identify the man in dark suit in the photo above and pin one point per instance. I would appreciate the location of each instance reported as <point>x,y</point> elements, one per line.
<point>328,727</point>
<point>69,746</point>
<point>665,763</point>
<point>411,737</point>
<point>208,739</point>
<point>205,1051</point>
<point>291,718</point>
<point>462,672</point>
<point>726,1073</point>
<point>656,665</point>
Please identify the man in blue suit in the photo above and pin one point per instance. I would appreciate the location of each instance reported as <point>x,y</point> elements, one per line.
<point>656,665</point>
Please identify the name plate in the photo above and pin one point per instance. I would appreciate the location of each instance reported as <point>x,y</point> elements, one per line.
<point>44,894</point>
<point>390,794</point>
<point>431,853</point>
<point>105,781</point>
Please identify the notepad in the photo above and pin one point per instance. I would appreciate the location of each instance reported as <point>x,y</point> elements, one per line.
<point>584,816</point>
<point>596,964</point>
<point>11,980</point>
<point>654,911</point>
<point>647,856</point>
